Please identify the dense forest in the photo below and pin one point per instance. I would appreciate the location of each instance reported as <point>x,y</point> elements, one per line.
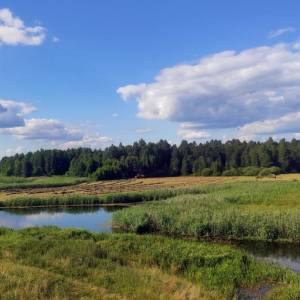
<point>212,158</point>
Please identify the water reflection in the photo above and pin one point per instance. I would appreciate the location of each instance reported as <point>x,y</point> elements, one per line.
<point>91,218</point>
<point>286,255</point>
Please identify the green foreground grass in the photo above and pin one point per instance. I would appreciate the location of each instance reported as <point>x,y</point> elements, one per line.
<point>244,210</point>
<point>11,182</point>
<point>51,263</point>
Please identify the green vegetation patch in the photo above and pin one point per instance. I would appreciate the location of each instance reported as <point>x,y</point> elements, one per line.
<point>11,182</point>
<point>74,264</point>
<point>114,198</point>
<point>252,210</point>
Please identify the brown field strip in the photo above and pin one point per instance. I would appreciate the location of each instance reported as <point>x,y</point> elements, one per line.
<point>129,185</point>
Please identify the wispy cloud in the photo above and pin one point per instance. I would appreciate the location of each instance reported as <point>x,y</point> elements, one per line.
<point>143,130</point>
<point>280,31</point>
<point>14,32</point>
<point>192,131</point>
<point>90,141</point>
<point>55,39</point>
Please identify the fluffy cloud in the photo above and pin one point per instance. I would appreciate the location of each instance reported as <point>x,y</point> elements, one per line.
<point>192,131</point>
<point>90,141</point>
<point>280,32</point>
<point>12,113</point>
<point>44,129</point>
<point>288,123</point>
<point>224,90</point>
<point>14,32</point>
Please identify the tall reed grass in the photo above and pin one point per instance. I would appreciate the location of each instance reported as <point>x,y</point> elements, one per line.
<point>263,211</point>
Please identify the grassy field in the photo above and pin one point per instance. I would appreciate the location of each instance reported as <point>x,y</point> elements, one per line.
<point>50,263</point>
<point>63,186</point>
<point>241,210</point>
<point>11,183</point>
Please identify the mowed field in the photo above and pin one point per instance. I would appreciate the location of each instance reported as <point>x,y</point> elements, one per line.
<point>125,185</point>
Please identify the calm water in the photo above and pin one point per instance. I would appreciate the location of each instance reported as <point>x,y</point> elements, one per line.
<point>286,255</point>
<point>99,219</point>
<point>91,218</point>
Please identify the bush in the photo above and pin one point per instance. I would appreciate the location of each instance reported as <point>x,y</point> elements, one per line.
<point>250,171</point>
<point>231,172</point>
<point>111,171</point>
<point>275,170</point>
<point>269,171</point>
<point>207,172</point>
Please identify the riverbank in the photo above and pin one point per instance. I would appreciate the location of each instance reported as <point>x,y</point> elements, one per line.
<point>76,264</point>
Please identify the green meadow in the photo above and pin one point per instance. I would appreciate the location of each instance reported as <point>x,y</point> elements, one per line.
<point>51,263</point>
<point>168,246</point>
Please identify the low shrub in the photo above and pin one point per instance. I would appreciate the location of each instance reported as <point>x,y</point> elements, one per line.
<point>231,172</point>
<point>250,171</point>
<point>207,172</point>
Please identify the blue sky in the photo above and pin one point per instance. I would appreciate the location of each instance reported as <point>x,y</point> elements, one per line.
<point>66,69</point>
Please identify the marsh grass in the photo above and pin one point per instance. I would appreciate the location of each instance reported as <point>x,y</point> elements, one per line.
<point>263,211</point>
<point>50,263</point>
<point>114,198</point>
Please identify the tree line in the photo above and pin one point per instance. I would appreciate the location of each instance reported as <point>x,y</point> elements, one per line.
<point>212,158</point>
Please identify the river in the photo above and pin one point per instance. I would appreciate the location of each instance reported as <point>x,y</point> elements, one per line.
<point>98,219</point>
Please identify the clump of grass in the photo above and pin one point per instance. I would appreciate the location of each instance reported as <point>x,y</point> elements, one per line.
<point>76,264</point>
<point>230,211</point>
<point>115,198</point>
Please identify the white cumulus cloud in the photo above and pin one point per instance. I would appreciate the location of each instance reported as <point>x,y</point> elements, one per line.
<point>14,32</point>
<point>225,90</point>
<point>12,113</point>
<point>288,123</point>
<point>44,129</point>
